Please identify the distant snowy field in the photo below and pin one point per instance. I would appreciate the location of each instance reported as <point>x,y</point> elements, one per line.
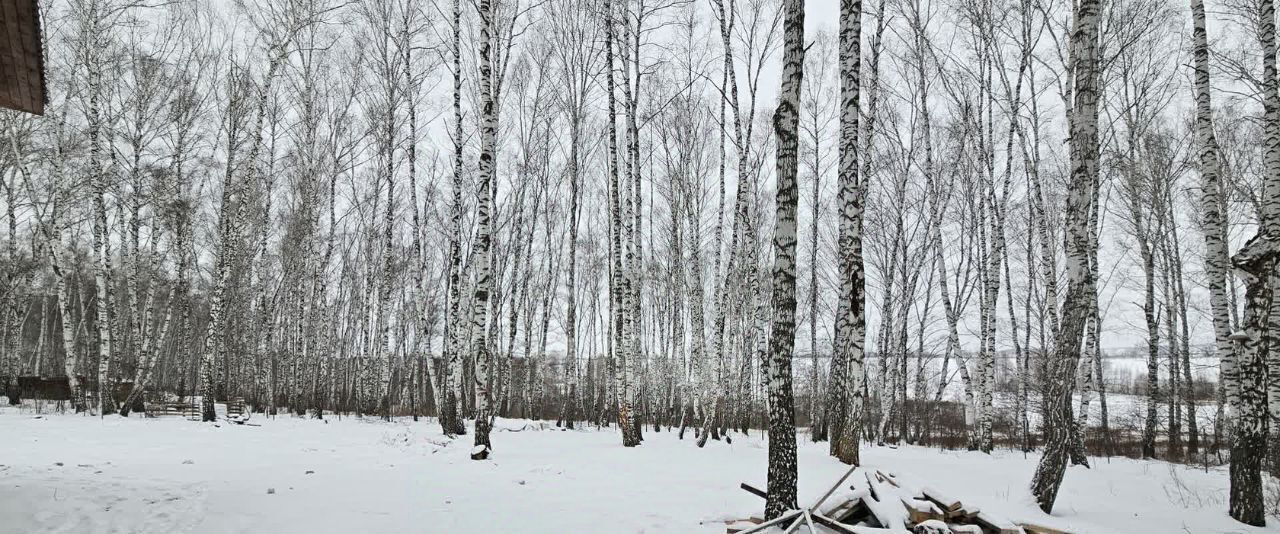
<point>66,473</point>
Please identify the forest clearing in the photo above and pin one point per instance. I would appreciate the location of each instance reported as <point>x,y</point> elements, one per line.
<point>640,266</point>
<point>368,475</point>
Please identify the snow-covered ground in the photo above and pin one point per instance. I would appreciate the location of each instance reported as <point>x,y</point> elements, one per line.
<point>66,473</point>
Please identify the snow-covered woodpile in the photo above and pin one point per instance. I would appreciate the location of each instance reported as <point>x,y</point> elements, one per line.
<point>873,501</point>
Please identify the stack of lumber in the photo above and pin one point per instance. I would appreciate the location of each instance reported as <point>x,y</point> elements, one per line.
<point>878,502</point>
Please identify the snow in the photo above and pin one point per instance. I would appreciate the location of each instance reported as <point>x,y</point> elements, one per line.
<point>69,473</point>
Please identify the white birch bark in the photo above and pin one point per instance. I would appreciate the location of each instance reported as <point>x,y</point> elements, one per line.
<point>480,299</point>
<point>1083,127</point>
<point>782,428</point>
<point>1256,263</point>
<point>851,323</point>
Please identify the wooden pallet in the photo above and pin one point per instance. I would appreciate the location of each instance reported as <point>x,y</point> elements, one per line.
<point>236,407</point>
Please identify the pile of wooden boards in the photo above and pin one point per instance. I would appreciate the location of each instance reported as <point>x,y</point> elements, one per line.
<point>878,502</point>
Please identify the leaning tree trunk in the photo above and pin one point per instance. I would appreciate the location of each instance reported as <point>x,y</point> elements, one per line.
<point>1083,127</point>
<point>424,321</point>
<point>1188,382</point>
<point>148,349</point>
<point>230,225</point>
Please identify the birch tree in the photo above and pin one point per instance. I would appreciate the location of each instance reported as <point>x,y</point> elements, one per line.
<point>1083,126</point>
<point>450,422</point>
<point>575,34</point>
<point>1217,261</point>
<point>1255,264</point>
<point>484,199</point>
<point>280,25</point>
<point>782,427</point>
<point>847,374</point>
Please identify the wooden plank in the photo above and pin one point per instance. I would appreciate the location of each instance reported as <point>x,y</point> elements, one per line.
<point>945,503</point>
<point>1032,528</point>
<point>733,526</point>
<point>833,488</point>
<point>801,519</point>
<point>852,514</point>
<point>921,511</point>
<point>753,490</point>
<point>886,478</point>
<point>782,519</point>
<point>990,523</point>
<point>833,524</point>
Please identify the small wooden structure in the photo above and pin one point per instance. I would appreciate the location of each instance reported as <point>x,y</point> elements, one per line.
<point>35,387</point>
<point>235,407</point>
<point>236,411</point>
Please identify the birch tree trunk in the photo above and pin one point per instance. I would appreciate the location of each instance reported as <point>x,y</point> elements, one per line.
<point>703,379</point>
<point>1216,260</point>
<point>480,299</point>
<point>782,426</point>
<point>424,312</point>
<point>1083,127</point>
<point>1188,383</point>
<point>1270,213</point>
<point>68,332</point>
<point>451,357</point>
<point>571,314</point>
<point>390,86</point>
<point>1256,264</point>
<point>152,345</point>
<point>851,323</point>
<point>817,416</point>
<point>620,286</point>
<point>92,27</point>
<point>1143,236</point>
<point>235,205</point>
